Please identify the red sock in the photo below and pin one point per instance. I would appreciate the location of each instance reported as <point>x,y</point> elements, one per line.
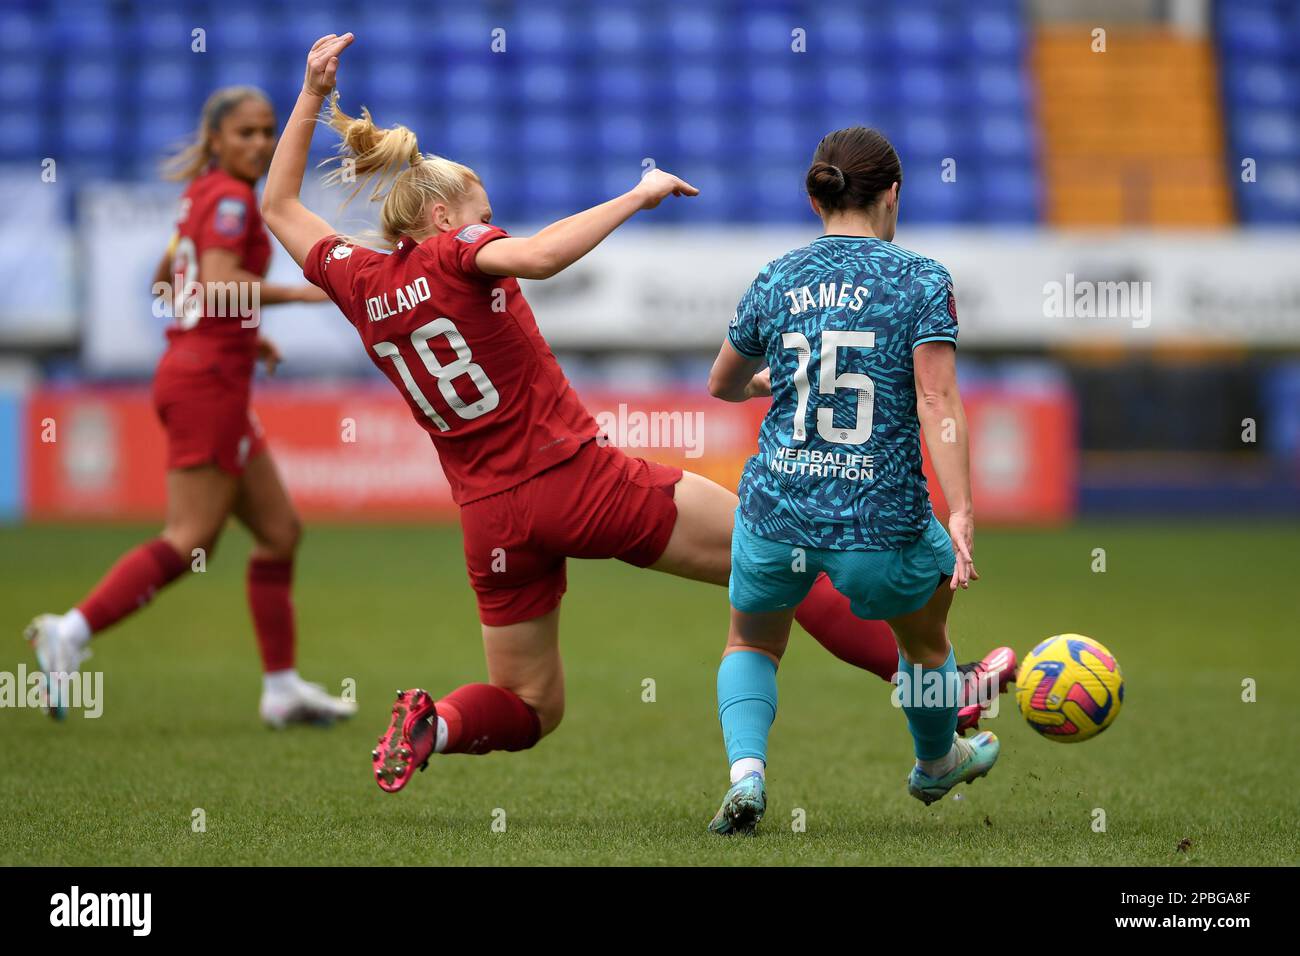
<point>131,583</point>
<point>825,614</point>
<point>481,717</point>
<point>269,598</point>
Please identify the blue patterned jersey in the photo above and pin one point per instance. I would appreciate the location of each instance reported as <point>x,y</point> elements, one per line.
<point>839,459</point>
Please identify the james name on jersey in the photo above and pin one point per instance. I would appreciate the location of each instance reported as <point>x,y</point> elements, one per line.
<point>802,298</point>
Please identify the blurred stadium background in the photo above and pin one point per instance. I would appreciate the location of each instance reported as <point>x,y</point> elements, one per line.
<point>1035,152</point>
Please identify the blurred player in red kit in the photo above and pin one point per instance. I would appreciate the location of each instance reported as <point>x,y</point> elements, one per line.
<point>217,461</point>
<point>443,318</point>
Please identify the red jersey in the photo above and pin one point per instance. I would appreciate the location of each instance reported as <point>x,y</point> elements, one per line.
<point>217,211</point>
<point>464,350</point>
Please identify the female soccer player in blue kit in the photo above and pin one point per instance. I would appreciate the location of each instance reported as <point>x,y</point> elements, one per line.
<point>858,338</point>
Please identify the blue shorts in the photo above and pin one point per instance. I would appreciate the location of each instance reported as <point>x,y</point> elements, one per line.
<point>770,575</point>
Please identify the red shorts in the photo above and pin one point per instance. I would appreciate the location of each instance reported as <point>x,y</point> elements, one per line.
<point>202,402</point>
<point>600,503</point>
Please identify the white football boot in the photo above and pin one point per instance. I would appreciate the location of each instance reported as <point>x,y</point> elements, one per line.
<point>301,702</point>
<point>57,655</point>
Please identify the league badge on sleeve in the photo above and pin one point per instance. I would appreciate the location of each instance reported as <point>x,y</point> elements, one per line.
<point>952,303</point>
<point>229,220</point>
<point>470,233</point>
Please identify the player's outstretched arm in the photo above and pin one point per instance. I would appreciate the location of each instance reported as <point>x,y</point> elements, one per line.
<point>943,422</point>
<point>296,226</point>
<point>563,243</point>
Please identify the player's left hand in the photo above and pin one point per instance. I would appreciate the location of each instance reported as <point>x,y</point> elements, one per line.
<point>268,353</point>
<point>961,528</point>
<point>760,386</point>
<point>323,63</point>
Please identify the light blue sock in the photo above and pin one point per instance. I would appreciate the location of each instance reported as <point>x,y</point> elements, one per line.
<point>932,726</point>
<point>746,703</point>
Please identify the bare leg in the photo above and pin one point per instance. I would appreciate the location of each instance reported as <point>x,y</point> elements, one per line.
<point>525,660</point>
<point>263,507</point>
<point>198,502</point>
<point>700,546</point>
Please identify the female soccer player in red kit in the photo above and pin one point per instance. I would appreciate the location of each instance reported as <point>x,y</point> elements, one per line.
<point>444,319</point>
<point>217,461</point>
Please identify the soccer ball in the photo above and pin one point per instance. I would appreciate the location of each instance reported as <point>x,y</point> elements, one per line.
<point>1069,688</point>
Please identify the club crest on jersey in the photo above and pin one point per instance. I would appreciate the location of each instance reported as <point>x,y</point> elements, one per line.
<point>338,252</point>
<point>229,220</point>
<point>470,233</point>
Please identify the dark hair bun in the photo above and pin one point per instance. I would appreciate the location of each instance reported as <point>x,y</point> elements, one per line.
<point>851,168</point>
<point>825,181</point>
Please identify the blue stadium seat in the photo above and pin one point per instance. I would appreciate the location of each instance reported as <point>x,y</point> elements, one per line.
<point>470,83</point>
<point>997,86</point>
<point>695,29</point>
<point>844,37</point>
<point>80,28</point>
<point>167,81</point>
<point>1268,133</point>
<point>1007,195</point>
<point>90,130</point>
<point>25,138</point>
<point>992,35</point>
<point>1005,136</point>
<point>702,138</point>
<point>21,31</point>
<point>544,32</point>
<point>551,190</point>
<point>160,131</point>
<point>630,84</point>
<point>616,33</point>
<point>1274,199</point>
<point>460,30</point>
<point>777,86</point>
<point>1262,84</point>
<point>621,133</point>
<point>919,37</point>
<point>545,85</point>
<point>163,31</point>
<point>243,70</point>
<point>23,83</point>
<point>778,195</point>
<point>928,87</point>
<point>472,133</point>
<point>1252,30</point>
<point>544,135</point>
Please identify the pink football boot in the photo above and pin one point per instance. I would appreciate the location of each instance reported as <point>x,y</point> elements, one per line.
<point>407,743</point>
<point>1000,661</point>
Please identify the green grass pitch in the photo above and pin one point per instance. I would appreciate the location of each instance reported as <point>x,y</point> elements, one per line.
<point>1190,611</point>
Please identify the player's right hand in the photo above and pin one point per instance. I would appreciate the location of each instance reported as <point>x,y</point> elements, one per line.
<point>961,528</point>
<point>657,185</point>
<point>323,63</point>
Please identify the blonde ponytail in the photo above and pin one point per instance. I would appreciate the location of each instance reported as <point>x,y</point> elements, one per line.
<point>380,154</point>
